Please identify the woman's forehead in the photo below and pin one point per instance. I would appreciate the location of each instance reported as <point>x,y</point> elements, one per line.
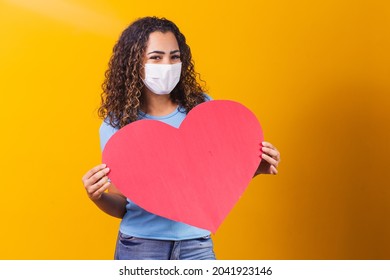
<point>159,41</point>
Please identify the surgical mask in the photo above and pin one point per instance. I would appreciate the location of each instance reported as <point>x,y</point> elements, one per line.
<point>162,78</point>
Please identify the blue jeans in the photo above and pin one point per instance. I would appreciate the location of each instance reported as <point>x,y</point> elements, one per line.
<point>134,248</point>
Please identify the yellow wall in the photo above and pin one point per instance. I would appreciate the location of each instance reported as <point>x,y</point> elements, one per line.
<point>316,73</point>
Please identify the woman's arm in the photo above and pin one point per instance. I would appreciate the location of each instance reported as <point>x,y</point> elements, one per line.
<point>96,183</point>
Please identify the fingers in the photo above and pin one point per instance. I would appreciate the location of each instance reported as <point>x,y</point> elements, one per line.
<point>93,171</point>
<point>271,151</point>
<point>272,156</point>
<point>273,162</point>
<point>267,144</point>
<point>95,174</point>
<point>96,190</point>
<point>96,182</point>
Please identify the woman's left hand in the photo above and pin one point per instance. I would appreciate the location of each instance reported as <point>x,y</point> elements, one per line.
<point>270,159</point>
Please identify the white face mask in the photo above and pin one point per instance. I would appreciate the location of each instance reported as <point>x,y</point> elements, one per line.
<point>162,78</point>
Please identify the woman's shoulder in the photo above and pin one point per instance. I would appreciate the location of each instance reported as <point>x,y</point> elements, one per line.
<point>207,97</point>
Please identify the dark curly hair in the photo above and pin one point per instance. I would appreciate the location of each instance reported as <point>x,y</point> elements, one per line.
<point>122,89</point>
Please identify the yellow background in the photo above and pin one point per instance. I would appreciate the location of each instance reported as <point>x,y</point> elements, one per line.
<point>316,74</point>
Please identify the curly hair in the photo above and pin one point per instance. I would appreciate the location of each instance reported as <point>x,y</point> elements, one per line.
<point>122,88</point>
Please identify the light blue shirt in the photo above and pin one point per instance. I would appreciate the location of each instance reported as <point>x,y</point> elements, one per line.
<point>140,223</point>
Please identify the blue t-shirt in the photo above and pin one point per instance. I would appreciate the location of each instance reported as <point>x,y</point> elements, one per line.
<point>140,223</point>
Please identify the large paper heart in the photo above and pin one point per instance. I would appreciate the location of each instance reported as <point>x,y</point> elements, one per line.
<point>194,174</point>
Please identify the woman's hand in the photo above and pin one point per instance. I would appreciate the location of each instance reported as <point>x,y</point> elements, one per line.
<point>96,182</point>
<point>270,159</point>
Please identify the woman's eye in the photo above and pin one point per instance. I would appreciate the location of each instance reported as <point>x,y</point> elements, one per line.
<point>175,57</point>
<point>155,57</point>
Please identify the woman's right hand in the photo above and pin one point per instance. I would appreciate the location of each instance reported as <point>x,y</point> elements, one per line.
<point>96,182</point>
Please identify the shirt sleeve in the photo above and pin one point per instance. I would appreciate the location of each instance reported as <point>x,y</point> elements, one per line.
<point>105,132</point>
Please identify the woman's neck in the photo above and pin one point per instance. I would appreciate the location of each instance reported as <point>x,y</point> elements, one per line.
<point>157,105</point>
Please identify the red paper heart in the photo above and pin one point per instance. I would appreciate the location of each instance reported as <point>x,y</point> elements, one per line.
<point>194,174</point>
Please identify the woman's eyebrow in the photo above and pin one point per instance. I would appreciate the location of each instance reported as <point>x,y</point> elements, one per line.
<point>161,52</point>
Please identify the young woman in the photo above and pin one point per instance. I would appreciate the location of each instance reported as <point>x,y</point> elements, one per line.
<point>151,76</point>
